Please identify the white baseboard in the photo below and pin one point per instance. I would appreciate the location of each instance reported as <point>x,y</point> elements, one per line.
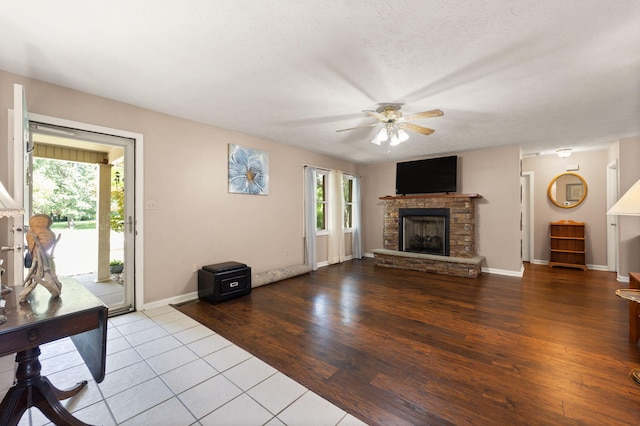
<point>172,300</point>
<point>622,279</point>
<point>598,267</point>
<point>505,272</point>
<point>590,267</point>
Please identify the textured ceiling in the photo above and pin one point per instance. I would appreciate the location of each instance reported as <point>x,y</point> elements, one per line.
<point>540,74</point>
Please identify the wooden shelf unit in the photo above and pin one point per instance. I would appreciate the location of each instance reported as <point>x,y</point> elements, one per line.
<point>567,244</point>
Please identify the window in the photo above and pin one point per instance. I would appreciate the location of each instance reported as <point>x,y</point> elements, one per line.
<point>322,205</point>
<point>321,200</point>
<point>347,190</point>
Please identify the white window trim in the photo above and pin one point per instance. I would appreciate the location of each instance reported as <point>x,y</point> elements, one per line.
<point>350,177</point>
<point>325,174</point>
<point>325,232</point>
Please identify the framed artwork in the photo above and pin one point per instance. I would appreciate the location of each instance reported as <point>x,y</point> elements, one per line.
<point>574,191</point>
<point>248,170</point>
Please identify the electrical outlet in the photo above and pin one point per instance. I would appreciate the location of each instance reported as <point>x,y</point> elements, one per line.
<point>195,267</point>
<point>286,252</point>
<point>151,205</point>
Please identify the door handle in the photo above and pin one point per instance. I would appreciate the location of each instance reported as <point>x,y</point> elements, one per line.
<point>5,249</point>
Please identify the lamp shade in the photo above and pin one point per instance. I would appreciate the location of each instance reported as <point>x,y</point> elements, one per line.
<point>383,135</point>
<point>629,203</point>
<point>8,207</point>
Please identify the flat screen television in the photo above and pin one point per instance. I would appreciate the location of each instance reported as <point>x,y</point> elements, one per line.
<point>430,176</point>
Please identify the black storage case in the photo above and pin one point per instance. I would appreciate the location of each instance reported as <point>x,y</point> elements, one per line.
<point>224,281</point>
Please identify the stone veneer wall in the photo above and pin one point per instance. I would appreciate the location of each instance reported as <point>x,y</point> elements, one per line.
<point>462,229</point>
<point>445,265</point>
<point>462,260</point>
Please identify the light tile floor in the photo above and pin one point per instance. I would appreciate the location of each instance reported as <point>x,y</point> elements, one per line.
<point>163,368</point>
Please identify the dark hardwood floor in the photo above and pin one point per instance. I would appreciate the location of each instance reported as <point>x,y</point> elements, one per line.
<point>395,347</point>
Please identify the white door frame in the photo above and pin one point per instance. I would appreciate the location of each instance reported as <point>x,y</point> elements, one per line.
<point>139,189</point>
<point>18,133</point>
<point>612,220</point>
<point>527,217</point>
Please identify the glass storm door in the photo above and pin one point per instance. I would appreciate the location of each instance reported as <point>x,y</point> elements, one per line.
<point>90,240</point>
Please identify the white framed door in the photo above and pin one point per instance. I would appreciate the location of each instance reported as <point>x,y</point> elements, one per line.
<point>612,220</point>
<point>527,217</point>
<point>132,144</point>
<point>21,181</point>
<point>109,245</point>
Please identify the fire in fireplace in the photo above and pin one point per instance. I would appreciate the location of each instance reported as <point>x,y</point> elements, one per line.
<point>424,230</point>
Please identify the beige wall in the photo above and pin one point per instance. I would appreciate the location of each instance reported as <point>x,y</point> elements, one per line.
<point>377,180</point>
<point>185,166</point>
<point>322,248</point>
<point>492,173</point>
<point>593,168</point>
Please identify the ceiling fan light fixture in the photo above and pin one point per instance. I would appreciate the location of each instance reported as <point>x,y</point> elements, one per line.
<point>402,135</point>
<point>380,137</point>
<point>383,135</point>
<point>563,153</point>
<point>395,125</point>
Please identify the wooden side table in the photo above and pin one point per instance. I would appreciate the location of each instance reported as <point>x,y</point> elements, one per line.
<point>76,313</point>
<point>634,309</point>
<point>633,296</point>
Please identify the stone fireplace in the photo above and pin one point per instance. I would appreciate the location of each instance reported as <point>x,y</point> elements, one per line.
<point>431,233</point>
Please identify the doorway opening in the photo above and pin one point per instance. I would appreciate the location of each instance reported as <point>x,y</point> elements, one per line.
<point>527,217</point>
<point>612,220</point>
<point>80,179</point>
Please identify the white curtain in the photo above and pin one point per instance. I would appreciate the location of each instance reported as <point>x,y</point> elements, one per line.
<point>335,218</point>
<point>310,217</point>
<point>356,242</point>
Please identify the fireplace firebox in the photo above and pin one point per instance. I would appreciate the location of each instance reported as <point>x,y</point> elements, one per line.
<point>424,230</point>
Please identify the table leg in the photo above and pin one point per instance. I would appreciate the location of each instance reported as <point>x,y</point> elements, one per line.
<point>635,375</point>
<point>33,390</point>
<point>61,394</point>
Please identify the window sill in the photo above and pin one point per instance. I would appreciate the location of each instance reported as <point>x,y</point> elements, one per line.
<point>323,232</point>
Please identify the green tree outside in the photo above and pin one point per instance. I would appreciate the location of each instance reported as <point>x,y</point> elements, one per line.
<point>64,190</point>
<point>67,191</point>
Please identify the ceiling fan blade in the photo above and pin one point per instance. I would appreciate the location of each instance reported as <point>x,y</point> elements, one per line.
<point>425,114</point>
<point>359,127</point>
<point>377,115</point>
<point>419,129</point>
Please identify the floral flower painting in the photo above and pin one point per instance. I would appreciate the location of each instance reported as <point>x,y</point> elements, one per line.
<point>248,170</point>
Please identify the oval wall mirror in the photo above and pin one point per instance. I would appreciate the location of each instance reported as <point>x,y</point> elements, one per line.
<point>567,190</point>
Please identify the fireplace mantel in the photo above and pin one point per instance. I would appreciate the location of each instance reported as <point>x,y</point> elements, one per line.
<point>406,197</point>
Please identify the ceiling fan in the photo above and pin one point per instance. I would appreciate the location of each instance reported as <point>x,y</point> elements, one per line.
<point>395,124</point>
